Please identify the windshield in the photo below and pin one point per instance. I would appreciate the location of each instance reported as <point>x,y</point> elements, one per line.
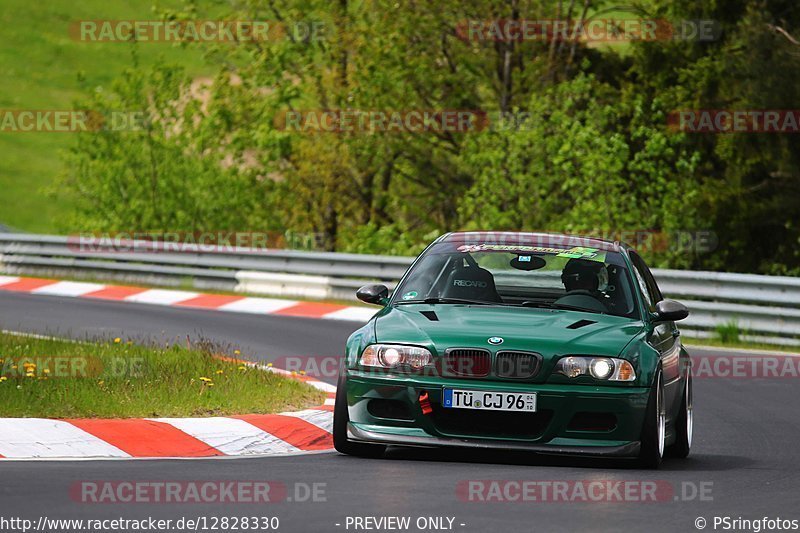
<point>571,278</point>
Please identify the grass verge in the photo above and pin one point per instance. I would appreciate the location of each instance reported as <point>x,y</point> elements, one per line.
<point>42,65</point>
<point>55,378</point>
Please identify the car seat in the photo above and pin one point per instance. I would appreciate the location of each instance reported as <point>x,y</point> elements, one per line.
<point>471,283</point>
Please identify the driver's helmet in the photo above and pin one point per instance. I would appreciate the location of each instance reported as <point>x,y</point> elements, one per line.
<point>582,274</point>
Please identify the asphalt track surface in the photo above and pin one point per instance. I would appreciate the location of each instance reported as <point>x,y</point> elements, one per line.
<point>745,451</point>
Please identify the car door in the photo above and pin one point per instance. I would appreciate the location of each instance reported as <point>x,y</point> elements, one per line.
<point>663,336</point>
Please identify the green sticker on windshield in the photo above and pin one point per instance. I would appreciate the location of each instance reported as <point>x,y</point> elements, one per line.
<point>580,252</point>
<point>410,295</point>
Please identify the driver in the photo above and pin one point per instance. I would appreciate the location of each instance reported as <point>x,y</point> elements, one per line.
<point>583,280</point>
<point>581,276</point>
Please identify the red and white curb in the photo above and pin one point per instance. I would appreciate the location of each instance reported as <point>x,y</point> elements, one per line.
<point>186,299</point>
<point>289,433</point>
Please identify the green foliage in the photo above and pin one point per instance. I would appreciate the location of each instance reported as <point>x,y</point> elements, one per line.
<point>388,240</point>
<point>561,169</point>
<point>588,150</point>
<point>575,166</point>
<point>162,174</point>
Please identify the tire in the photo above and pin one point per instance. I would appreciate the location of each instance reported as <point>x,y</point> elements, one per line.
<point>654,428</point>
<point>340,421</point>
<point>684,424</point>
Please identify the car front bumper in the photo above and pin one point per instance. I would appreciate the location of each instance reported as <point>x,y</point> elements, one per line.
<point>552,429</point>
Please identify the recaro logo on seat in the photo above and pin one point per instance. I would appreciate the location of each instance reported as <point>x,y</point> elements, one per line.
<point>469,283</point>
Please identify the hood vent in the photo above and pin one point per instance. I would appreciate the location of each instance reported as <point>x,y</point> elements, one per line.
<point>430,315</point>
<point>581,323</point>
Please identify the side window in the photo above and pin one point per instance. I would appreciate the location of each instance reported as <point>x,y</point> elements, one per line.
<point>646,282</point>
<point>651,284</point>
<point>419,283</point>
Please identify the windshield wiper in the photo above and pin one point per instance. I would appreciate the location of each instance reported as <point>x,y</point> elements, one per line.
<point>553,305</point>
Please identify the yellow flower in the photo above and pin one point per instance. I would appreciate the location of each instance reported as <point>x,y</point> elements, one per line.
<point>3,378</point>
<point>29,375</point>
<point>219,371</point>
<point>236,352</point>
<point>269,365</point>
<point>100,382</point>
<point>302,372</point>
<point>117,340</point>
<point>205,380</point>
<point>46,370</point>
<point>242,368</point>
<point>209,384</point>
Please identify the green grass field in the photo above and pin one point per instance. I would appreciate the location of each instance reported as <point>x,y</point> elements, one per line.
<point>61,379</point>
<point>41,64</point>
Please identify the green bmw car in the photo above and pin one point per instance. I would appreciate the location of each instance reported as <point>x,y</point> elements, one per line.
<point>548,343</point>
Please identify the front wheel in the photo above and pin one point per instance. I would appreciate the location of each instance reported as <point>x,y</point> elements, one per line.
<point>684,424</point>
<point>340,420</point>
<point>655,426</point>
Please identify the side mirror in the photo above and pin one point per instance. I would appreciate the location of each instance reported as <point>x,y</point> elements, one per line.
<point>670,311</point>
<point>373,294</point>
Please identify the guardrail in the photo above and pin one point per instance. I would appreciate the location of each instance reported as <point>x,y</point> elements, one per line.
<point>765,308</point>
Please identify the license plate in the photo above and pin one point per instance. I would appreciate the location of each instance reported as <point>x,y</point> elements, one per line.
<point>491,401</point>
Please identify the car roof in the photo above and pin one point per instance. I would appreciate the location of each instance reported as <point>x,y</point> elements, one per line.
<point>560,240</point>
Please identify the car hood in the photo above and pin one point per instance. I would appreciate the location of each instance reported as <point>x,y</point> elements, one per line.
<point>547,331</point>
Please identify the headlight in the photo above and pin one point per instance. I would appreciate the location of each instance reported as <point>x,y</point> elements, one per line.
<point>396,356</point>
<point>602,368</point>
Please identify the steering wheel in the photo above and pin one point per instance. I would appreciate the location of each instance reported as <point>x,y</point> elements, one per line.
<point>583,299</point>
